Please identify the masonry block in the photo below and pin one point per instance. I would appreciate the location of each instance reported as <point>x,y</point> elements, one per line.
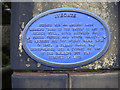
<point>99,80</point>
<point>39,80</point>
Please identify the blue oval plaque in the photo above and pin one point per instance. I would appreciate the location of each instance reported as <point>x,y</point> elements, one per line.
<point>66,37</point>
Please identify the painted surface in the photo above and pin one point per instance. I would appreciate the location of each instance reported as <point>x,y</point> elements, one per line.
<point>66,37</point>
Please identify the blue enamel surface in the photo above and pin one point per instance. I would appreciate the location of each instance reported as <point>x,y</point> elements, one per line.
<point>80,18</point>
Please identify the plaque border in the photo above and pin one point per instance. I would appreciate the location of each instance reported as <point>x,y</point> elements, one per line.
<point>66,65</point>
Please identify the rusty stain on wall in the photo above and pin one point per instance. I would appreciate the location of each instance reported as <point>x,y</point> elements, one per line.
<point>20,42</point>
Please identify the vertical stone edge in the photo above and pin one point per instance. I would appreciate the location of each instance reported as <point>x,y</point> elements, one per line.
<point>118,44</point>
<point>0,46</point>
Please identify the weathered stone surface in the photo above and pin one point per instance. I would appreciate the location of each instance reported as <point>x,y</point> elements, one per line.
<point>104,80</point>
<point>5,35</point>
<point>23,12</point>
<point>39,80</point>
<point>5,45</point>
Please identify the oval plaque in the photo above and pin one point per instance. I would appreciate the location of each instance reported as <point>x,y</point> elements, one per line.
<point>66,37</point>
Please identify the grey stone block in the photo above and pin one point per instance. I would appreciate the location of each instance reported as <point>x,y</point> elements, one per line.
<point>107,80</point>
<point>39,80</point>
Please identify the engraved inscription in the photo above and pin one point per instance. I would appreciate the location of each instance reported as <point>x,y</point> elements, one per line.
<point>75,37</point>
